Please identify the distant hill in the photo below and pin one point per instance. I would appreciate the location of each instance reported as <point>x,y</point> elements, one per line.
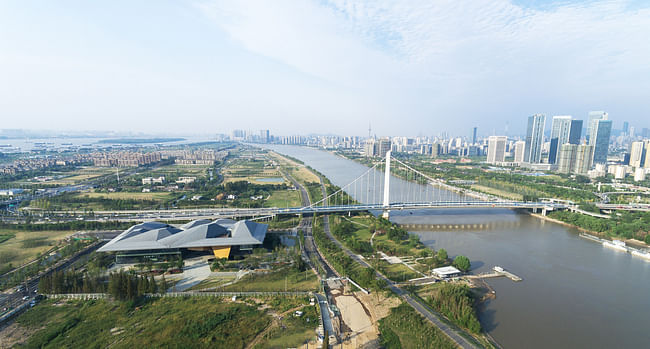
<point>139,140</point>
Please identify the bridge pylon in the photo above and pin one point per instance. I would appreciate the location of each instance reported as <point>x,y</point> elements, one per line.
<point>386,213</point>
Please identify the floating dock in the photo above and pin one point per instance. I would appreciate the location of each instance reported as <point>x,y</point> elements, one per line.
<point>498,272</point>
<point>506,273</point>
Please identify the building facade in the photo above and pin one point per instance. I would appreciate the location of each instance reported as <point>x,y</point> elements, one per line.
<point>496,149</point>
<point>600,139</point>
<point>534,138</point>
<point>560,130</point>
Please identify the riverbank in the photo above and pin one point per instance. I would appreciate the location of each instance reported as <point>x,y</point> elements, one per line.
<point>632,242</point>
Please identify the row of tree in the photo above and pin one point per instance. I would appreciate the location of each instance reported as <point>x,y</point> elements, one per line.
<point>71,281</point>
<point>125,286</point>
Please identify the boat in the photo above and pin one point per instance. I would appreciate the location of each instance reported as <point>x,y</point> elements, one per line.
<point>642,254</point>
<point>616,244</point>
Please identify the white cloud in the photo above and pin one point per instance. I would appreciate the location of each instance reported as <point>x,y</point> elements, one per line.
<point>469,59</point>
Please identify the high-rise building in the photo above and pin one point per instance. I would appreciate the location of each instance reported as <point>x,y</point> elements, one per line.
<point>646,155</point>
<point>520,147</point>
<point>474,135</point>
<point>560,131</point>
<point>594,116</point>
<point>626,127</point>
<point>576,131</point>
<point>371,147</point>
<point>567,158</point>
<point>265,136</point>
<point>600,135</point>
<point>383,146</point>
<point>637,154</point>
<point>496,149</point>
<point>584,156</point>
<point>534,138</point>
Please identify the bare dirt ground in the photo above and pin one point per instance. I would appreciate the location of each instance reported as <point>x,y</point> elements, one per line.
<point>14,334</point>
<point>361,313</point>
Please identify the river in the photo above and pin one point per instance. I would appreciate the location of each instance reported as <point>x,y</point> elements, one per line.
<point>575,293</point>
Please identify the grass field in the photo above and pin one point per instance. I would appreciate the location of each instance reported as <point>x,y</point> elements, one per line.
<point>5,237</point>
<point>212,281</point>
<point>283,280</point>
<point>25,246</point>
<point>293,332</point>
<point>497,192</point>
<point>284,198</point>
<point>127,195</point>
<point>166,322</point>
<point>297,171</point>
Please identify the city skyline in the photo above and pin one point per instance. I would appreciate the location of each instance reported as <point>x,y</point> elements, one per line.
<point>138,67</point>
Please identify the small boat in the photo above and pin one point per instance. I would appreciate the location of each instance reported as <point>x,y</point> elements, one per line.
<point>642,254</point>
<point>616,244</point>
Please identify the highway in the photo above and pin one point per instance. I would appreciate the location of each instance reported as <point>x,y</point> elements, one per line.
<point>27,291</point>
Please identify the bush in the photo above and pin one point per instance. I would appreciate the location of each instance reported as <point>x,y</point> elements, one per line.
<point>456,302</point>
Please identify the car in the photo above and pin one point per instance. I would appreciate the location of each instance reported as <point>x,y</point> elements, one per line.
<point>25,298</point>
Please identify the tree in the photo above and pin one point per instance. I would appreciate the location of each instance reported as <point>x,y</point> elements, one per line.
<point>442,254</point>
<point>462,263</point>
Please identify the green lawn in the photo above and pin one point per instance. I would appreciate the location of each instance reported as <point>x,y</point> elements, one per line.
<point>397,272</point>
<point>24,246</point>
<point>167,322</point>
<point>276,281</point>
<point>284,198</point>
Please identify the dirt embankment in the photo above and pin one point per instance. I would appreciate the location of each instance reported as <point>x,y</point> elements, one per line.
<point>360,314</point>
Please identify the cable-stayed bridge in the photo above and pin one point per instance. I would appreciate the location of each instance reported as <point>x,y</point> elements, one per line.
<point>394,185</point>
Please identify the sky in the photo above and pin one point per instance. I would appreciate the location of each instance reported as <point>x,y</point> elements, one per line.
<point>323,66</point>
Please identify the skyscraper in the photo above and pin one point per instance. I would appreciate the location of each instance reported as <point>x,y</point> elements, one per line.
<point>626,127</point>
<point>383,146</point>
<point>594,116</point>
<point>576,131</point>
<point>600,134</point>
<point>520,147</point>
<point>567,158</point>
<point>637,154</point>
<point>496,149</point>
<point>584,156</point>
<point>534,138</point>
<point>560,131</point>
<point>474,136</point>
<point>265,136</point>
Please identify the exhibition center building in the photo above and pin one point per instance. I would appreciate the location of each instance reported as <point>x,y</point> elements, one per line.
<point>158,241</point>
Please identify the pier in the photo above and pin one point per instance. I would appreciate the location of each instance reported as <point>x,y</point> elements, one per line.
<point>497,272</point>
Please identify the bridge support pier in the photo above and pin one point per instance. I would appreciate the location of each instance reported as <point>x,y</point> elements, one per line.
<point>386,214</point>
<point>544,212</point>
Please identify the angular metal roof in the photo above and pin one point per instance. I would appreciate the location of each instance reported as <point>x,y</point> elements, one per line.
<point>199,233</point>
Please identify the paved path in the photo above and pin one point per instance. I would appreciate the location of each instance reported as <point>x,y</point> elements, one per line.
<point>194,272</point>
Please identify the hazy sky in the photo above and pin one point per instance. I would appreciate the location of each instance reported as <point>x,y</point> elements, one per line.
<point>408,67</point>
